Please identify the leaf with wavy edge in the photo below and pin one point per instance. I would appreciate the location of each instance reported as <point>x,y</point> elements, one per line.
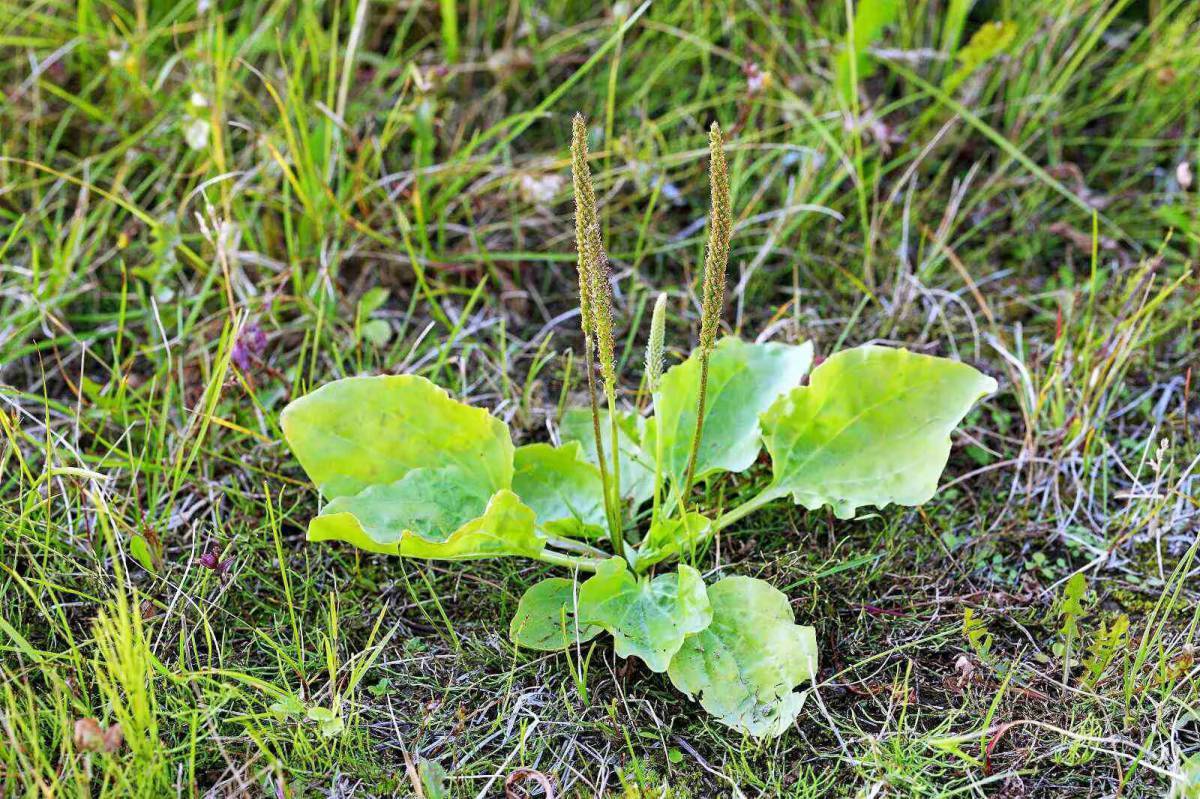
<point>431,513</point>
<point>546,617</point>
<point>562,488</point>
<point>743,381</point>
<point>872,428</point>
<point>408,470</point>
<point>365,431</point>
<point>745,665</point>
<point>647,618</point>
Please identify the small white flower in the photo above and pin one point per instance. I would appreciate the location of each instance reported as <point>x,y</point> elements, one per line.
<point>1183,174</point>
<point>196,134</point>
<point>541,189</point>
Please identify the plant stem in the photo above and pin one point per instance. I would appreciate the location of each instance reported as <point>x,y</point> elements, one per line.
<point>614,526</point>
<point>617,534</point>
<point>768,494</point>
<point>568,561</point>
<point>720,230</point>
<point>595,307</point>
<point>571,545</point>
<point>696,434</point>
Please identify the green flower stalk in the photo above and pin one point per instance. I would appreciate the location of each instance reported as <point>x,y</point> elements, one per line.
<point>720,231</point>
<point>655,344</point>
<point>654,370</point>
<point>595,303</point>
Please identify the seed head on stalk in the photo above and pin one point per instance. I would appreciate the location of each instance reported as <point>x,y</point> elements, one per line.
<point>585,218</point>
<point>595,303</point>
<point>654,370</point>
<point>720,230</point>
<point>656,342</point>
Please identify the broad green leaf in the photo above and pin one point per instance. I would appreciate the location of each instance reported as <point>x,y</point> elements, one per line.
<point>433,779</point>
<point>546,617</point>
<point>366,431</point>
<point>647,618</point>
<point>371,301</point>
<point>872,427</point>
<point>870,18</point>
<point>746,663</point>
<point>562,488</point>
<point>431,513</point>
<point>743,381</point>
<point>671,537</point>
<point>377,332</point>
<point>145,553</point>
<point>637,468</point>
<point>287,707</point>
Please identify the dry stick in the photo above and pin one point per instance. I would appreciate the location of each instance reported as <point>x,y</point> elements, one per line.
<point>591,272</point>
<point>720,231</point>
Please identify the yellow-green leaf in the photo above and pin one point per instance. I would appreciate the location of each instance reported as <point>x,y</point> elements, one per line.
<point>743,381</point>
<point>872,428</point>
<point>546,618</point>
<point>990,40</point>
<point>364,431</point>
<point>431,513</point>
<point>745,665</point>
<point>647,618</point>
<point>562,488</point>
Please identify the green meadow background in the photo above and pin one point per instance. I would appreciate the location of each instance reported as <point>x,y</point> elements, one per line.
<point>208,208</point>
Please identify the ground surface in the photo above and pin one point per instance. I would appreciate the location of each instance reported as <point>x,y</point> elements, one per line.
<point>209,207</point>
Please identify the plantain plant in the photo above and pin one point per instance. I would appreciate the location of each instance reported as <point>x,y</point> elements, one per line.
<point>409,471</point>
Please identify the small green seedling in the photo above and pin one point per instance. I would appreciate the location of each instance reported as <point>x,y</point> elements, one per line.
<point>409,471</point>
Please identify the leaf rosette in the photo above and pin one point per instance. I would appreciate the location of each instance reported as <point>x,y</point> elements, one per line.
<point>407,470</point>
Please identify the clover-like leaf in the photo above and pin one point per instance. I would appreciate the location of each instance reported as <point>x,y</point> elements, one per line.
<point>366,431</point>
<point>546,617</point>
<point>670,537</point>
<point>743,381</point>
<point>328,721</point>
<point>431,513</point>
<point>746,664</point>
<point>872,427</point>
<point>647,618</point>
<point>637,468</point>
<point>562,488</point>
